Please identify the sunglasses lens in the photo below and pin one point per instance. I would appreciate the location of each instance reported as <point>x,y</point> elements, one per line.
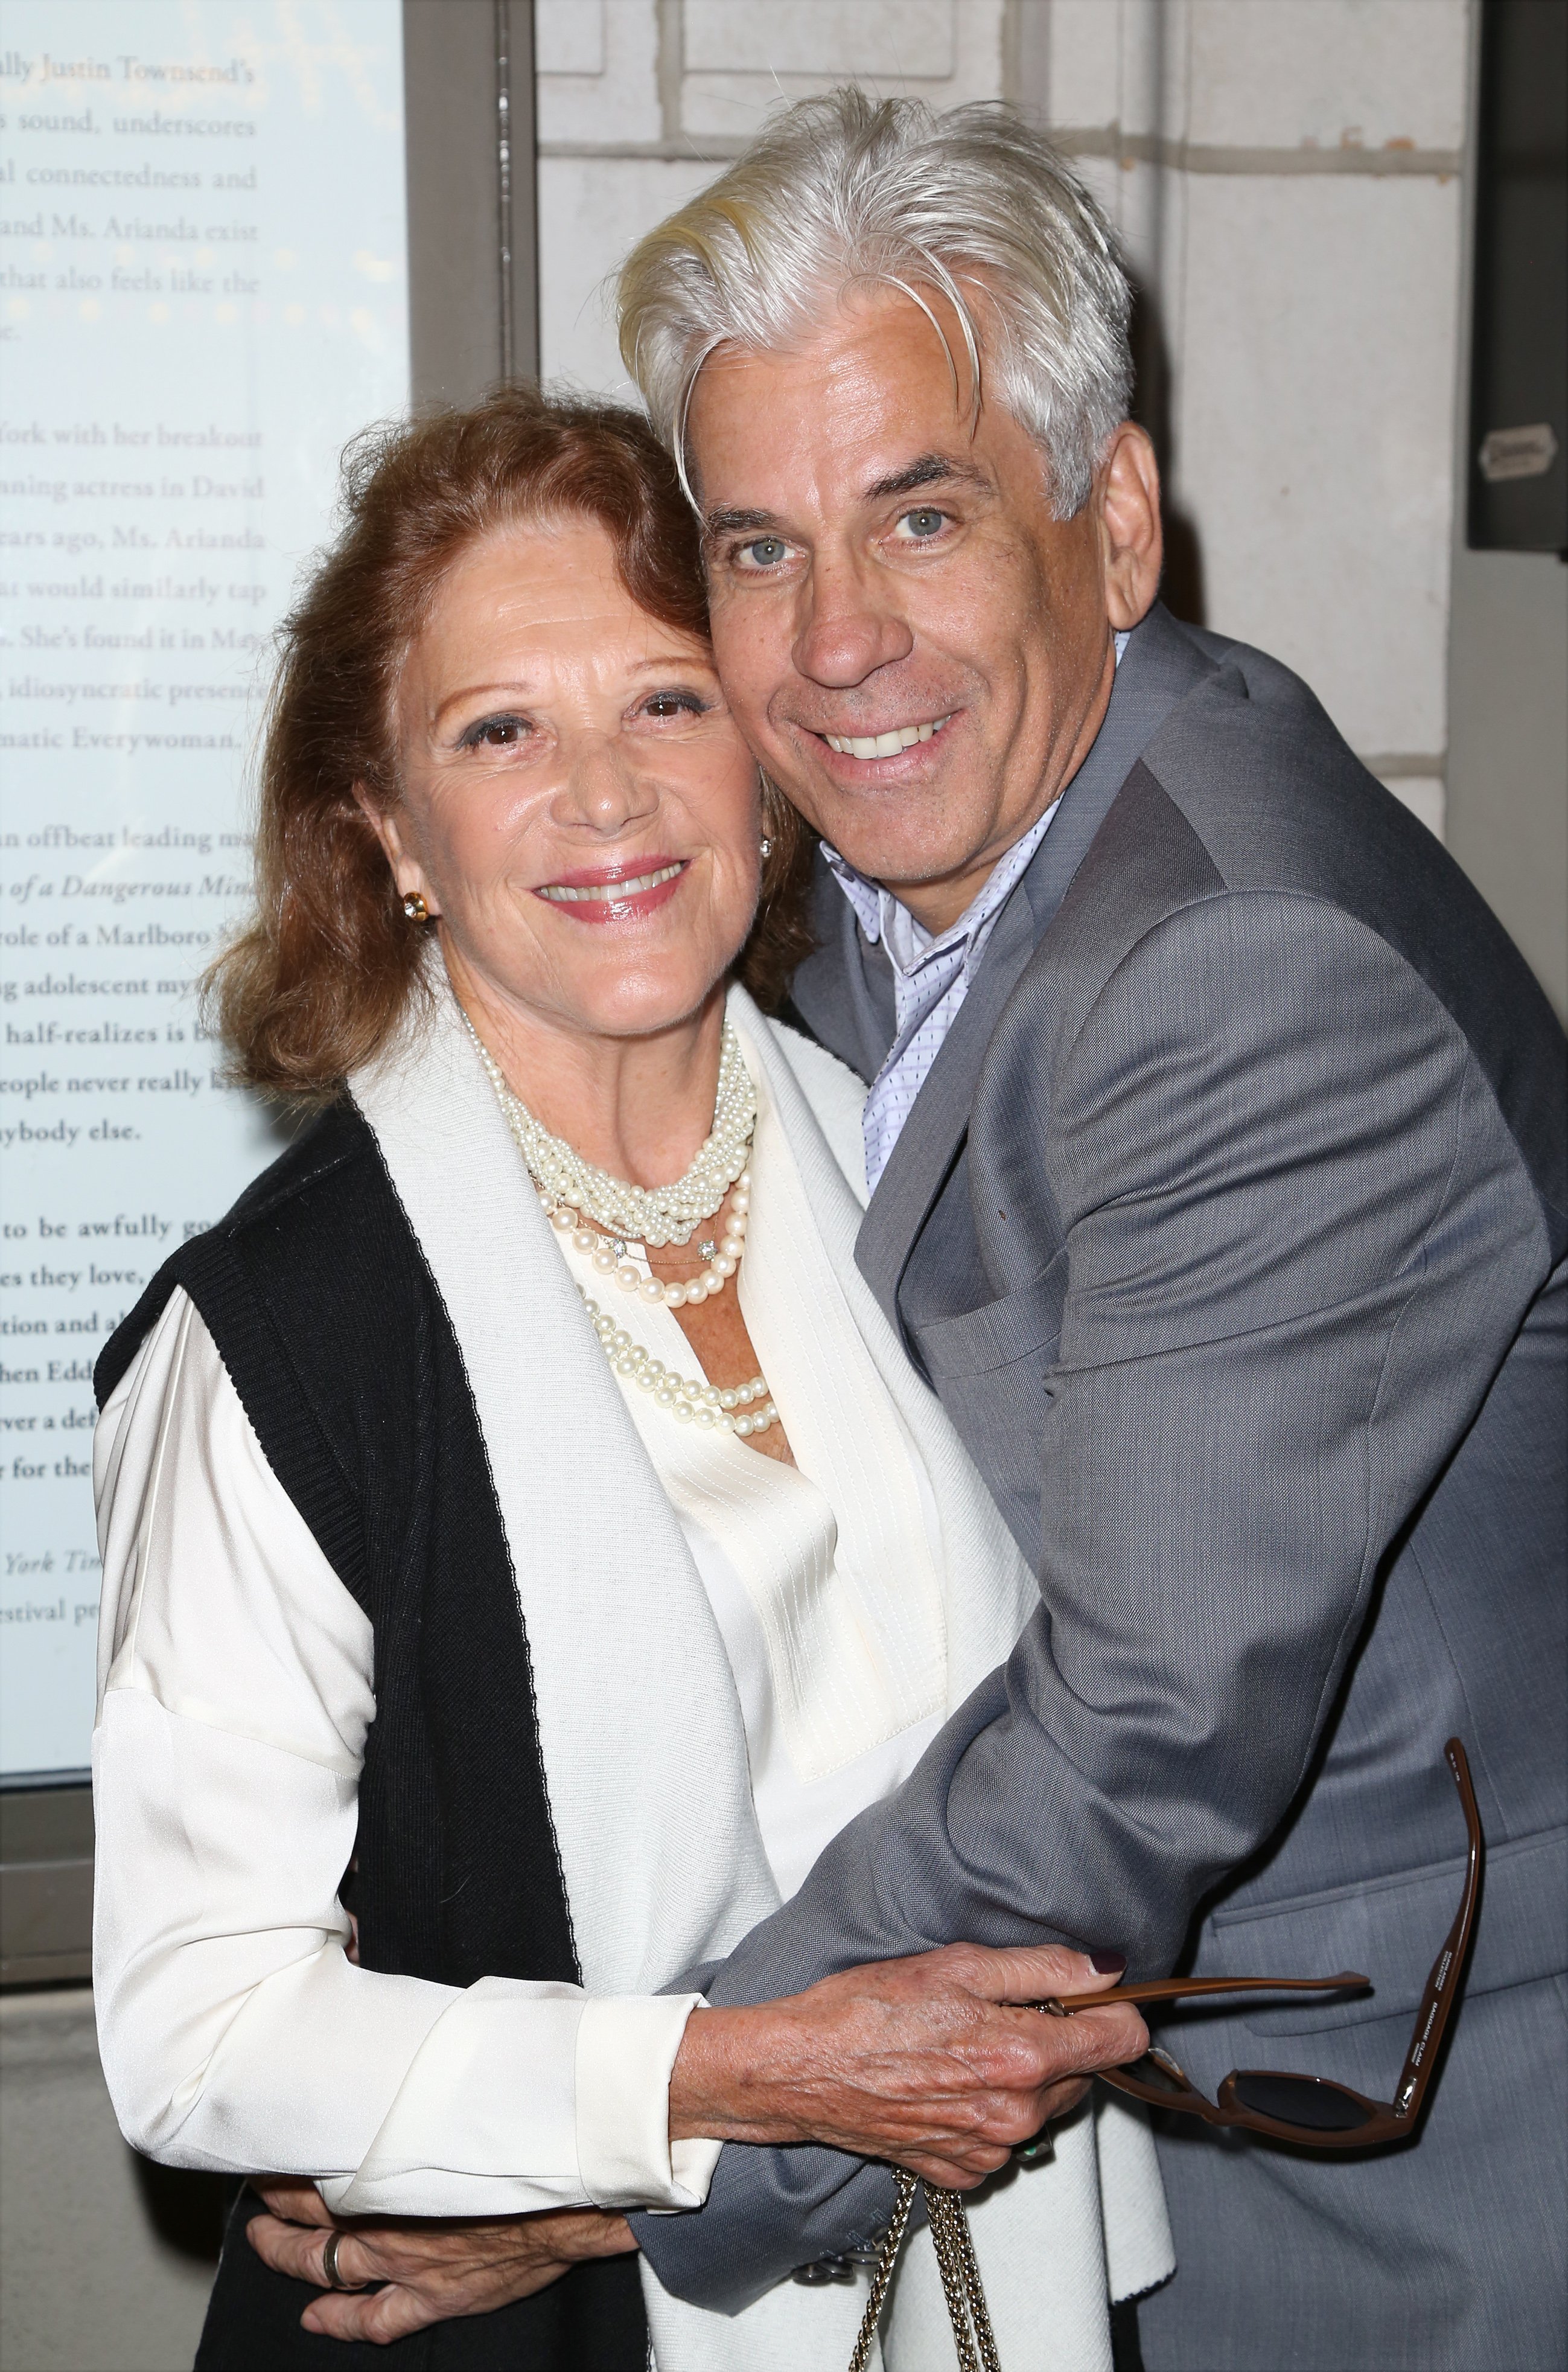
<point>1299,2101</point>
<point>1159,2075</point>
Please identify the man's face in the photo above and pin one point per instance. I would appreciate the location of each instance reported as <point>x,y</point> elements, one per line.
<point>884,563</point>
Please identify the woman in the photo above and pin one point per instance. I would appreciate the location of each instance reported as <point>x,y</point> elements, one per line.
<point>389,1880</point>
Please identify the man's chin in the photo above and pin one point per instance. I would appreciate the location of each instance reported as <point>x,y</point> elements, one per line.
<point>898,861</point>
<point>899,835</point>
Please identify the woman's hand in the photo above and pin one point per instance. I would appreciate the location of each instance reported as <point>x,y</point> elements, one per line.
<point>930,2062</point>
<point>433,2270</point>
<point>924,2062</point>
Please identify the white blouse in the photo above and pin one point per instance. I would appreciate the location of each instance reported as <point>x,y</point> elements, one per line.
<point>235,1693</point>
<point>233,1712</point>
<point>840,1695</point>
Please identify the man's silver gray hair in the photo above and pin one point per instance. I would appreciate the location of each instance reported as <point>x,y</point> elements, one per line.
<point>845,190</point>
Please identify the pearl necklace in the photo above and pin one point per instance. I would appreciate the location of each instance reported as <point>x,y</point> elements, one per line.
<point>608,1254</point>
<point>690,1399</point>
<point>641,1215</point>
<point>747,1408</point>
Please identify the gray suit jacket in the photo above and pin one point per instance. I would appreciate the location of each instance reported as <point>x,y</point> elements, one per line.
<point>1230,1228</point>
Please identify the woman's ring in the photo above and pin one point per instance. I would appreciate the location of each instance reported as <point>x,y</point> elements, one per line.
<point>329,2273</point>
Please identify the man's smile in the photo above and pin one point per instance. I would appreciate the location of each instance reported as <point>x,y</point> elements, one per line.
<point>889,744</point>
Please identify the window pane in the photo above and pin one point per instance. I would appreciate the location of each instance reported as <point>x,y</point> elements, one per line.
<point>202,295</point>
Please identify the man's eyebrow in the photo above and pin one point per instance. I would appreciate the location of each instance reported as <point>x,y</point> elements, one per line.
<point>738,522</point>
<point>930,470</point>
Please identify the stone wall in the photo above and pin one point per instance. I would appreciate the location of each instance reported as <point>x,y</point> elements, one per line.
<point>1287,176</point>
<point>105,2259</point>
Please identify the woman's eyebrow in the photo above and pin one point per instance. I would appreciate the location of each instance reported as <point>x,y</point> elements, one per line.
<point>480,692</point>
<point>660,663</point>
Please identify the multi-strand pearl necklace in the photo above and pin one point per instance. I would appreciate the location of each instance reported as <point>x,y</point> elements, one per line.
<point>690,1399</point>
<point>608,1254</point>
<point>743,1410</point>
<point>641,1215</point>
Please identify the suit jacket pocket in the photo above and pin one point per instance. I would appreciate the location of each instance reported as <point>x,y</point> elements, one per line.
<point>989,1368</point>
<point>1391,1929</point>
<point>1021,1327</point>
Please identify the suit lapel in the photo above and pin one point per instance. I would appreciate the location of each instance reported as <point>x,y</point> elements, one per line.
<point>929,1140</point>
<point>1160,666</point>
<point>843,991</point>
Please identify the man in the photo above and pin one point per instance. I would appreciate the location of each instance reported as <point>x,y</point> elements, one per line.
<point>1216,1141</point>
<point>1215,1135</point>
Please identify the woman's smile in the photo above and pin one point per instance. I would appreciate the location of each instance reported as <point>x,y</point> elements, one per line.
<point>611,893</point>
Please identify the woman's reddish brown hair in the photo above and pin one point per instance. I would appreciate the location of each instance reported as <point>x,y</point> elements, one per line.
<point>316,981</point>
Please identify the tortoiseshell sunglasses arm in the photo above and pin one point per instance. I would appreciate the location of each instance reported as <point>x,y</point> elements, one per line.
<point>1183,1988</point>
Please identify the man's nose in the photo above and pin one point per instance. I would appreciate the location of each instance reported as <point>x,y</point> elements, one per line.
<point>850,628</point>
<point>603,789</point>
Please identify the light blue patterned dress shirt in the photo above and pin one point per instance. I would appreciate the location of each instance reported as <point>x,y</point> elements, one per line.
<point>931,977</point>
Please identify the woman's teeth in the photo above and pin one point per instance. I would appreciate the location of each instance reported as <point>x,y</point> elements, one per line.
<point>602,889</point>
<point>884,745</point>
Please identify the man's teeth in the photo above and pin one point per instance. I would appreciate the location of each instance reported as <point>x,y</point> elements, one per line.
<point>884,745</point>
<point>562,895</point>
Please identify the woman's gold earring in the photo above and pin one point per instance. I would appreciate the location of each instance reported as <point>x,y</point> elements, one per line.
<point>415,908</point>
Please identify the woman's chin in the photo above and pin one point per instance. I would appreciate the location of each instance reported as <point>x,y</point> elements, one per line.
<point>606,984</point>
<point>640,1002</point>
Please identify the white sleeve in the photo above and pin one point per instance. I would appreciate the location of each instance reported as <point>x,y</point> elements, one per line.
<point>235,1694</point>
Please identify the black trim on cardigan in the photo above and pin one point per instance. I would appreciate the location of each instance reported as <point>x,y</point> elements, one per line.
<point>333,1332</point>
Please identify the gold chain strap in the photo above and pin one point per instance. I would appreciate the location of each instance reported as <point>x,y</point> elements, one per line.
<point>972,2334</point>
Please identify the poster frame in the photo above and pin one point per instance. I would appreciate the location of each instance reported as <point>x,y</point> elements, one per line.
<point>474,321</point>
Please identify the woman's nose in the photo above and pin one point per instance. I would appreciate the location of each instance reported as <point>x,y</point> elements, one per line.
<point>848,630</point>
<point>603,789</point>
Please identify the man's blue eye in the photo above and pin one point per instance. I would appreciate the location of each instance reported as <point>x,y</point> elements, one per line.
<point>766,552</point>
<point>924,523</point>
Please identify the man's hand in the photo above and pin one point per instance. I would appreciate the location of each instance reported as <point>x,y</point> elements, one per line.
<point>922,2061</point>
<point>433,2270</point>
<point>928,2062</point>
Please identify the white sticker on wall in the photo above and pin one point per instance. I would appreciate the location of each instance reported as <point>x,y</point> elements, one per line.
<point>202,296</point>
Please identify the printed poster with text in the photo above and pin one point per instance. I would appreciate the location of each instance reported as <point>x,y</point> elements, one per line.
<point>202,297</point>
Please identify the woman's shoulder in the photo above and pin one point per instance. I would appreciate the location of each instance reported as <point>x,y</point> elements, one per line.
<point>835,1094</point>
<point>825,1082</point>
<point>293,1234</point>
<point>330,1142</point>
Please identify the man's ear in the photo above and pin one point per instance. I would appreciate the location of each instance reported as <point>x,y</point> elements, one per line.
<point>1127,491</point>
<point>406,869</point>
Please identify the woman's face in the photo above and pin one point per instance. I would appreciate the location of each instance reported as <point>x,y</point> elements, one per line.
<point>578,807</point>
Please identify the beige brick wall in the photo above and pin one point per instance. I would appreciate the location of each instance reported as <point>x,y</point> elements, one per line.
<point>1286,177</point>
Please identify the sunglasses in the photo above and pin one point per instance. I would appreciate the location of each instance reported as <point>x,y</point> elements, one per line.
<point>1307,2109</point>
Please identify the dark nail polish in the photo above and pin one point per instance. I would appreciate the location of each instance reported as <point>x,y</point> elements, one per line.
<point>1107,1964</point>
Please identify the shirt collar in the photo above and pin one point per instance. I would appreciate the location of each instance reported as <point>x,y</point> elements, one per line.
<point>908,944</point>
